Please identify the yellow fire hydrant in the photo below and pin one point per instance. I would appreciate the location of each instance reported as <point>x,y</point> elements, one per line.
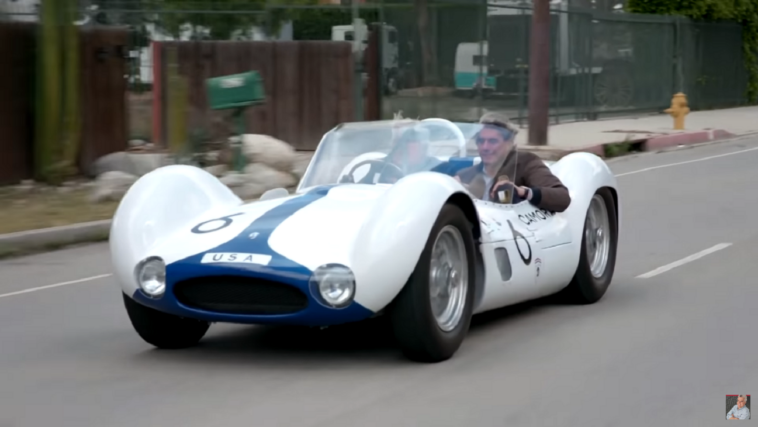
<point>678,110</point>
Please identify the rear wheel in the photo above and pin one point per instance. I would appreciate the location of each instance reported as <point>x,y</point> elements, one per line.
<point>164,330</point>
<point>432,314</point>
<point>597,259</point>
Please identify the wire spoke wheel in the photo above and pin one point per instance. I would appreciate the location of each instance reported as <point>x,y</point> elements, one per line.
<point>598,236</point>
<point>448,278</point>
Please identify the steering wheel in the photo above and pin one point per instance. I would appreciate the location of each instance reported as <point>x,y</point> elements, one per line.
<point>452,128</point>
<point>394,169</point>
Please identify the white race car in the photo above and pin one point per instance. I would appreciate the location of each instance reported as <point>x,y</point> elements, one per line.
<point>346,247</point>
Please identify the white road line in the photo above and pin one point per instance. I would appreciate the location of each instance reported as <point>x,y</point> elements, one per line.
<point>683,261</point>
<point>687,162</point>
<point>41,288</point>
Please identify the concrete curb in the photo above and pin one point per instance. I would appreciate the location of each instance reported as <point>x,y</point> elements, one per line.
<point>31,241</point>
<point>653,142</point>
<point>686,138</point>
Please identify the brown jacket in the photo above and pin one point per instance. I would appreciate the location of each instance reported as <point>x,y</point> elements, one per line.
<point>547,190</point>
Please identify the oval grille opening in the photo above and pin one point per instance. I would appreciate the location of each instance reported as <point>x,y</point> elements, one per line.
<point>240,295</point>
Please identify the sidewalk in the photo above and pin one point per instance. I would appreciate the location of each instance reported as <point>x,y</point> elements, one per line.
<point>606,138</point>
<point>648,133</point>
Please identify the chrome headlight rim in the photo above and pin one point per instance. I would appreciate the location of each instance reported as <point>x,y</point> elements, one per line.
<point>153,262</point>
<point>333,273</point>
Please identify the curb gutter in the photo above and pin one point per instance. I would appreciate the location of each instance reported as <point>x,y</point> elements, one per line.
<point>34,241</point>
<point>650,143</point>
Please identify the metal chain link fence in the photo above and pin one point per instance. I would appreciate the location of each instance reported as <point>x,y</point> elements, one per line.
<point>458,60</point>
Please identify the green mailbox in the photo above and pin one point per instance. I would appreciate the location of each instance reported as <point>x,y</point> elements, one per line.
<point>236,91</point>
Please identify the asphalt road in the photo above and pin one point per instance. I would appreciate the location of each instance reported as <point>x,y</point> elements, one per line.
<point>657,350</point>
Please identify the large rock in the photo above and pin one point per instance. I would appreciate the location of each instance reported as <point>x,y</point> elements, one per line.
<point>132,163</point>
<point>269,151</point>
<point>300,164</point>
<point>268,177</point>
<point>217,170</point>
<point>113,162</point>
<point>233,179</point>
<point>112,186</point>
<point>249,191</point>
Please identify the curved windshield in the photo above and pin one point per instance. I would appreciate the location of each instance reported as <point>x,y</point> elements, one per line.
<point>382,152</point>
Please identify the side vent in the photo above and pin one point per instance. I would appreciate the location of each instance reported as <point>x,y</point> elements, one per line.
<point>503,264</point>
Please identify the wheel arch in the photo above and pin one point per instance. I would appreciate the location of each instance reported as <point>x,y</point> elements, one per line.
<point>466,204</point>
<point>583,174</point>
<point>396,231</point>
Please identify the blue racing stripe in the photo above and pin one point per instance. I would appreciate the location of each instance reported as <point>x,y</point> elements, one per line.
<point>280,269</point>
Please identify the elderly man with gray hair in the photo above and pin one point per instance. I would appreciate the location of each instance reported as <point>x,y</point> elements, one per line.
<point>503,166</point>
<point>739,411</point>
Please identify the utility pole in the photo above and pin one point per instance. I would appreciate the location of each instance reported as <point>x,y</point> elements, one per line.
<point>539,73</point>
<point>358,35</point>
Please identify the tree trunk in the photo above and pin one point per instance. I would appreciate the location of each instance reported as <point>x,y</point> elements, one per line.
<point>49,98</point>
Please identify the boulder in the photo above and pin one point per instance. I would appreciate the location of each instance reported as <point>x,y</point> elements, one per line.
<point>300,164</point>
<point>249,191</point>
<point>268,177</point>
<point>268,151</point>
<point>137,143</point>
<point>233,179</point>
<point>217,170</point>
<point>131,163</point>
<point>112,186</point>
<point>113,162</point>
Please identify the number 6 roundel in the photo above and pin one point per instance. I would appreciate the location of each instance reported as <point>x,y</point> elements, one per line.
<point>227,221</point>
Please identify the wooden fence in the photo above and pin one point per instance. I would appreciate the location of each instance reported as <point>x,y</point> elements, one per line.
<point>308,85</point>
<point>103,101</point>
<point>17,73</point>
<point>105,119</point>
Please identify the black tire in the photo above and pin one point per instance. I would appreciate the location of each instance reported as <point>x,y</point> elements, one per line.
<point>585,288</point>
<point>411,316</point>
<point>164,330</point>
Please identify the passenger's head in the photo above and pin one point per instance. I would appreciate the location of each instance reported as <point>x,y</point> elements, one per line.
<point>496,139</point>
<point>413,145</point>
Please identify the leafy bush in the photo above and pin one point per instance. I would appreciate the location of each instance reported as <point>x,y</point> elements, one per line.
<point>744,12</point>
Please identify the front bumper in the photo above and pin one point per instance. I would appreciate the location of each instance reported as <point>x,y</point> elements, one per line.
<point>246,295</point>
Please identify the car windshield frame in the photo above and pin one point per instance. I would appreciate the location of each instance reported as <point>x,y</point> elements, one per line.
<point>350,143</point>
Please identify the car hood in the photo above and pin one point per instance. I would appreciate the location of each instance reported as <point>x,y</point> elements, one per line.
<point>310,229</point>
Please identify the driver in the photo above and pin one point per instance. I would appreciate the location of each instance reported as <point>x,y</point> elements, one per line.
<point>533,182</point>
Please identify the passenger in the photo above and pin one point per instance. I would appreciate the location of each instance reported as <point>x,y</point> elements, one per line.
<point>411,152</point>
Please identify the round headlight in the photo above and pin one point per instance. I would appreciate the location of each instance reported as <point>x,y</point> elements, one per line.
<point>334,284</point>
<point>151,276</point>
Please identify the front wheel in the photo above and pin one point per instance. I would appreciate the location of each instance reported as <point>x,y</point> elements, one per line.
<point>432,314</point>
<point>164,330</point>
<point>597,259</point>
